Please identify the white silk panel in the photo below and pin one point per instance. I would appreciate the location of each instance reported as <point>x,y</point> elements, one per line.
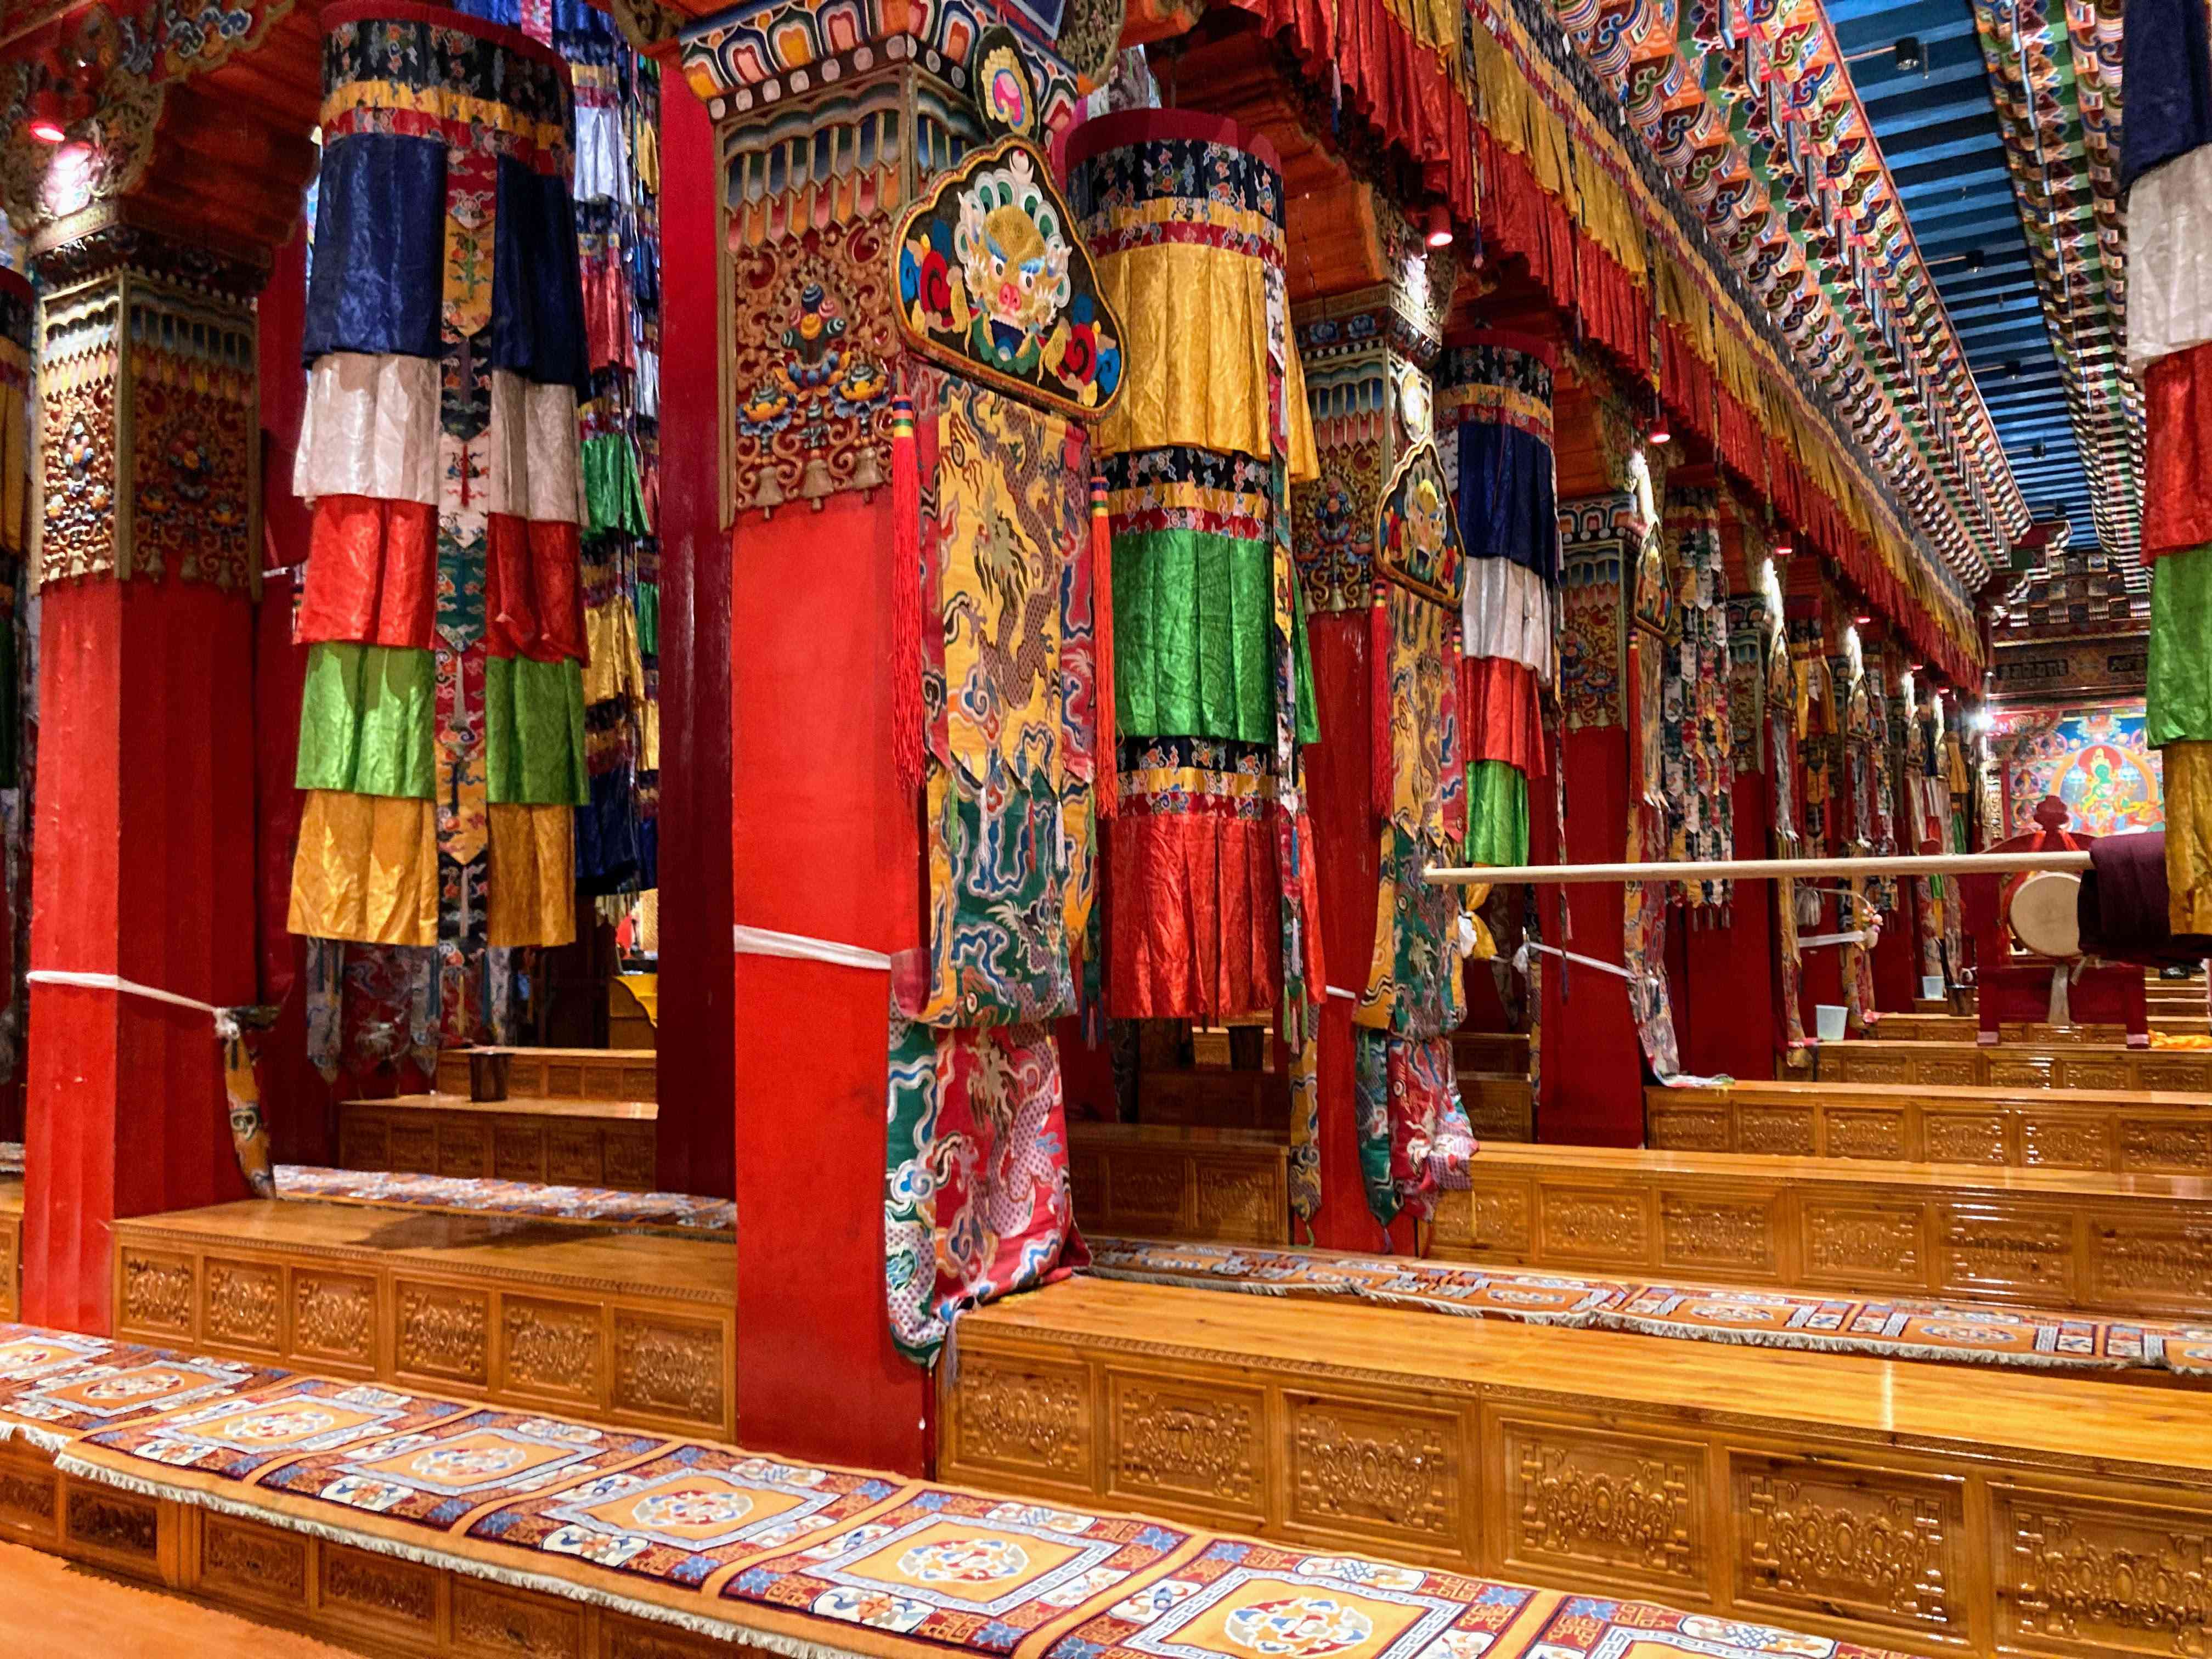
<point>2170,259</point>
<point>532,464</point>
<point>371,429</point>
<point>1509,610</point>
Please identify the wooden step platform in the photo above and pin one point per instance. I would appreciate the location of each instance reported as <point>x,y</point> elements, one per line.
<point>631,1329</point>
<point>560,1073</point>
<point>1491,1051</point>
<point>2116,1244</point>
<point>567,1142</point>
<point>2016,1066</point>
<point>1232,1185</point>
<point>2114,1130</point>
<point>1883,1501</point>
<point>1964,1028</point>
<point>1500,1106</point>
<point>11,1246</point>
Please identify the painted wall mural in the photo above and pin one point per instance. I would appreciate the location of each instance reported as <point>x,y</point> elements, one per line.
<point>2091,756</point>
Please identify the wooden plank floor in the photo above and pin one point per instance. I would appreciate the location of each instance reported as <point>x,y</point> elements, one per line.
<point>81,1613</point>
<point>1899,1504</point>
<point>2123,1131</point>
<point>2116,1244</point>
<point>627,1328</point>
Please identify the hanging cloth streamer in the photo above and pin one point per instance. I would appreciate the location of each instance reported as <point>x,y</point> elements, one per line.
<point>799,947</point>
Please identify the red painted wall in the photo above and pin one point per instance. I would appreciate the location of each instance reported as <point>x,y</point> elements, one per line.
<point>1592,1072</point>
<point>826,844</point>
<point>697,1015</point>
<point>1727,1009</point>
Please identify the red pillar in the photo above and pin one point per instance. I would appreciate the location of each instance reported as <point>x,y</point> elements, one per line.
<point>1729,1015</point>
<point>826,845</point>
<point>1592,1076</point>
<point>143,853</point>
<point>697,1020</point>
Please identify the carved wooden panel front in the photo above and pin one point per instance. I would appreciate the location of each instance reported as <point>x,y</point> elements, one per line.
<point>1024,1418</point>
<point>1735,1235</point>
<point>1982,1248</point>
<point>1864,1067</point>
<point>2097,1073</point>
<point>2154,1260</point>
<point>414,1146</point>
<point>1145,1190</point>
<point>333,1318</point>
<point>363,1141</point>
<point>573,1157</point>
<point>376,1592</point>
<point>1687,1128</point>
<point>443,1331</point>
<point>1856,1245</point>
<point>1604,1505</point>
<point>1594,1224</point>
<point>2066,1143</point>
<point>30,1498</point>
<point>1786,1131</point>
<point>629,1154</point>
<point>114,1526</point>
<point>1241,1201</point>
<point>245,1304</point>
<point>500,1623</point>
<point>464,1149</point>
<point>2181,1072</point>
<point>2172,1145</point>
<point>669,1368</point>
<point>518,1153</point>
<point>242,1561</point>
<point>1201,1443</point>
<point>1865,1134</point>
<point>2005,1072</point>
<point>2080,1575</point>
<point>624,1637</point>
<point>1494,1218</point>
<point>1386,1473</point>
<point>157,1291</point>
<point>1951,1073</point>
<point>1963,1137</point>
<point>552,1350</point>
<point>1880,1546</point>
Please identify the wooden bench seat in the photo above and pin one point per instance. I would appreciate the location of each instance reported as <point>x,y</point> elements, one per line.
<point>2018,1065</point>
<point>566,1141</point>
<point>2115,1130</point>
<point>1153,1180</point>
<point>630,1328</point>
<point>1500,1106</point>
<point>2114,1244</point>
<point>1963,1028</point>
<point>560,1073</point>
<point>1888,1502</point>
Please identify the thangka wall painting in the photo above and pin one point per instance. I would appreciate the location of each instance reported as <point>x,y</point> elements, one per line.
<point>2091,756</point>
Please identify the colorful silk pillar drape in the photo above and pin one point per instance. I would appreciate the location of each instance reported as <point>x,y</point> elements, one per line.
<point>1494,412</point>
<point>1413,1133</point>
<point>1212,908</point>
<point>441,733</point>
<point>977,1201</point>
<point>1697,732</point>
<point>2167,168</point>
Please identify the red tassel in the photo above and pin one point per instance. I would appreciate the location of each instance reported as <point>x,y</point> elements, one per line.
<point>1380,770</point>
<point>908,741</point>
<point>1102,637</point>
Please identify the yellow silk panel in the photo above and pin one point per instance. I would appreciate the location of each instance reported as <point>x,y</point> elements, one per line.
<point>533,875</point>
<point>614,669</point>
<point>367,869</point>
<point>2188,836</point>
<point>1195,353</point>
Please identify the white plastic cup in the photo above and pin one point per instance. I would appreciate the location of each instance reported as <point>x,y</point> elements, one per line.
<point>1931,987</point>
<point>1828,1022</point>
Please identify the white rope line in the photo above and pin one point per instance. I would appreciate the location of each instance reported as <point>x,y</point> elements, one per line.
<point>1339,990</point>
<point>1520,961</point>
<point>128,987</point>
<point>1812,940</point>
<point>798,947</point>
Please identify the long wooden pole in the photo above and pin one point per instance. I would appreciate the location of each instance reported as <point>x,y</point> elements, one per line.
<point>1939,864</point>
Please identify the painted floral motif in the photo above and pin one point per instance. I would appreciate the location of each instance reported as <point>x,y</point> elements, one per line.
<point>820,374</point>
<point>990,280</point>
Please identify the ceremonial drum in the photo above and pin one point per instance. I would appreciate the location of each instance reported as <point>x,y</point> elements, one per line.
<point>2039,907</point>
<point>1184,215</point>
<point>1495,404</point>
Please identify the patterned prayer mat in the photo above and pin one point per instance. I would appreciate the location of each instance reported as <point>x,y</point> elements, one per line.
<point>55,1385</point>
<point>820,1561</point>
<point>462,1195</point>
<point>1893,1327</point>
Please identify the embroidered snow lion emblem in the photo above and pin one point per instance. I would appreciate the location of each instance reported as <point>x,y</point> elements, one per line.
<point>1298,1627</point>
